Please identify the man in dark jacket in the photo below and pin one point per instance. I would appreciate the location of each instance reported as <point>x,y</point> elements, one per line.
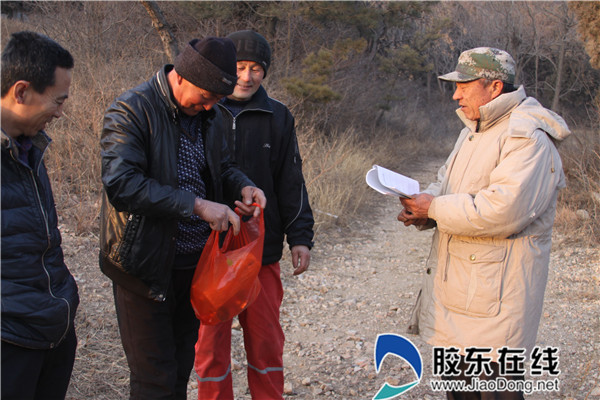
<point>165,168</point>
<point>262,139</point>
<point>39,294</point>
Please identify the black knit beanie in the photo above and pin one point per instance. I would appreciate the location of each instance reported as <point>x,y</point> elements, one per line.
<point>210,64</point>
<point>252,46</point>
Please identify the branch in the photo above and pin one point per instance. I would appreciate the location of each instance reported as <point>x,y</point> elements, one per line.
<point>161,25</point>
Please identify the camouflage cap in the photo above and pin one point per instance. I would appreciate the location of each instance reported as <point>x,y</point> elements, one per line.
<point>483,62</point>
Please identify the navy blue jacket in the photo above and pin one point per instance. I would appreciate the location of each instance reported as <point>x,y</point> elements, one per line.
<point>39,294</point>
<point>262,140</point>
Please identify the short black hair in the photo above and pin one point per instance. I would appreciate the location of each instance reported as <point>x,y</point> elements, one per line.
<point>32,57</point>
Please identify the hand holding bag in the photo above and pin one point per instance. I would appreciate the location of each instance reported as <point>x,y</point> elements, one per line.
<point>226,278</point>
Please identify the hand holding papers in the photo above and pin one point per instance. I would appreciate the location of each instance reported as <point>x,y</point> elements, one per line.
<point>391,183</point>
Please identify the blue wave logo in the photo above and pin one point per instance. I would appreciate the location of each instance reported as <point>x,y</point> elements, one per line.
<point>389,343</point>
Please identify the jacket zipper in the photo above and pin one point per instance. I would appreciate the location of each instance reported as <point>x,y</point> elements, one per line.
<point>116,253</point>
<point>233,127</point>
<point>46,226</point>
<point>234,124</point>
<point>127,240</point>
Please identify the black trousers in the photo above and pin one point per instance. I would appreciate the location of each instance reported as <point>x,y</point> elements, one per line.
<point>158,339</point>
<point>37,374</point>
<point>497,395</point>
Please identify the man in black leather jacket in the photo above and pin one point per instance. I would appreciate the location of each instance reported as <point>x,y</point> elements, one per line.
<point>165,170</point>
<point>39,295</point>
<point>262,138</point>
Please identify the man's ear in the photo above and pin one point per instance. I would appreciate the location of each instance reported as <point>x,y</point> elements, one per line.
<point>497,87</point>
<point>19,90</point>
<point>178,78</point>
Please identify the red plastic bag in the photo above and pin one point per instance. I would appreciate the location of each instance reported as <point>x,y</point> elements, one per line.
<point>226,278</point>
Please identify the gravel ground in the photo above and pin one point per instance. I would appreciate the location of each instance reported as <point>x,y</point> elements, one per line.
<point>362,282</point>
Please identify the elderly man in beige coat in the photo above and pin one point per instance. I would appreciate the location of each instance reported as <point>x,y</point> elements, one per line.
<point>493,209</point>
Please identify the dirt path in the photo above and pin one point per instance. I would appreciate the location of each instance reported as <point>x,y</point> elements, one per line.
<point>362,282</point>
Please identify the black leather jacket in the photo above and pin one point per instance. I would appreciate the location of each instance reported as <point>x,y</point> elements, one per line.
<point>39,294</point>
<point>141,202</point>
<point>262,140</point>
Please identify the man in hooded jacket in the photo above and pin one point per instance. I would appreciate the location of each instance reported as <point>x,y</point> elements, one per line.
<point>493,208</point>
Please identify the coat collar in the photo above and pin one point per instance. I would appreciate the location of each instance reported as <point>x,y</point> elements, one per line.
<point>41,140</point>
<point>258,102</point>
<point>165,91</point>
<point>494,111</point>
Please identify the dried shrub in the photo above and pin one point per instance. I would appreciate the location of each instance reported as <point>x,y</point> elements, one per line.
<point>578,215</point>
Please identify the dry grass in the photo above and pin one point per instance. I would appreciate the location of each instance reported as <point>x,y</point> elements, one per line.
<point>334,170</point>
<point>578,215</point>
<point>104,68</point>
<point>334,163</point>
<point>335,167</point>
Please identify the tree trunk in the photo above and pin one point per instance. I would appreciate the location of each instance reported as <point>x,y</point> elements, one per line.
<point>162,27</point>
<point>559,77</point>
<point>428,86</point>
<point>536,49</point>
<point>537,79</point>
<point>288,52</point>
<point>272,27</point>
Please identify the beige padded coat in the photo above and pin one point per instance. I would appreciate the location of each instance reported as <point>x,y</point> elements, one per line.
<point>494,207</point>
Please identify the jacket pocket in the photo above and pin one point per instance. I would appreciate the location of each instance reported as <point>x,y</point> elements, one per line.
<point>129,235</point>
<point>473,282</point>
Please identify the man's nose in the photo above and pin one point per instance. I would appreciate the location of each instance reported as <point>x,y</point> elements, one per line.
<point>244,75</point>
<point>209,104</point>
<point>58,112</point>
<point>457,94</point>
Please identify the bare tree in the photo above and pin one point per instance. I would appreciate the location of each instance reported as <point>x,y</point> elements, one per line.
<point>161,25</point>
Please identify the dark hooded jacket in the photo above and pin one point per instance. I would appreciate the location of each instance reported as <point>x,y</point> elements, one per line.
<point>39,294</point>
<point>142,202</point>
<point>263,142</point>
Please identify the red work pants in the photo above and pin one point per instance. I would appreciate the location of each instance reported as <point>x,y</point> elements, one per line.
<point>263,341</point>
